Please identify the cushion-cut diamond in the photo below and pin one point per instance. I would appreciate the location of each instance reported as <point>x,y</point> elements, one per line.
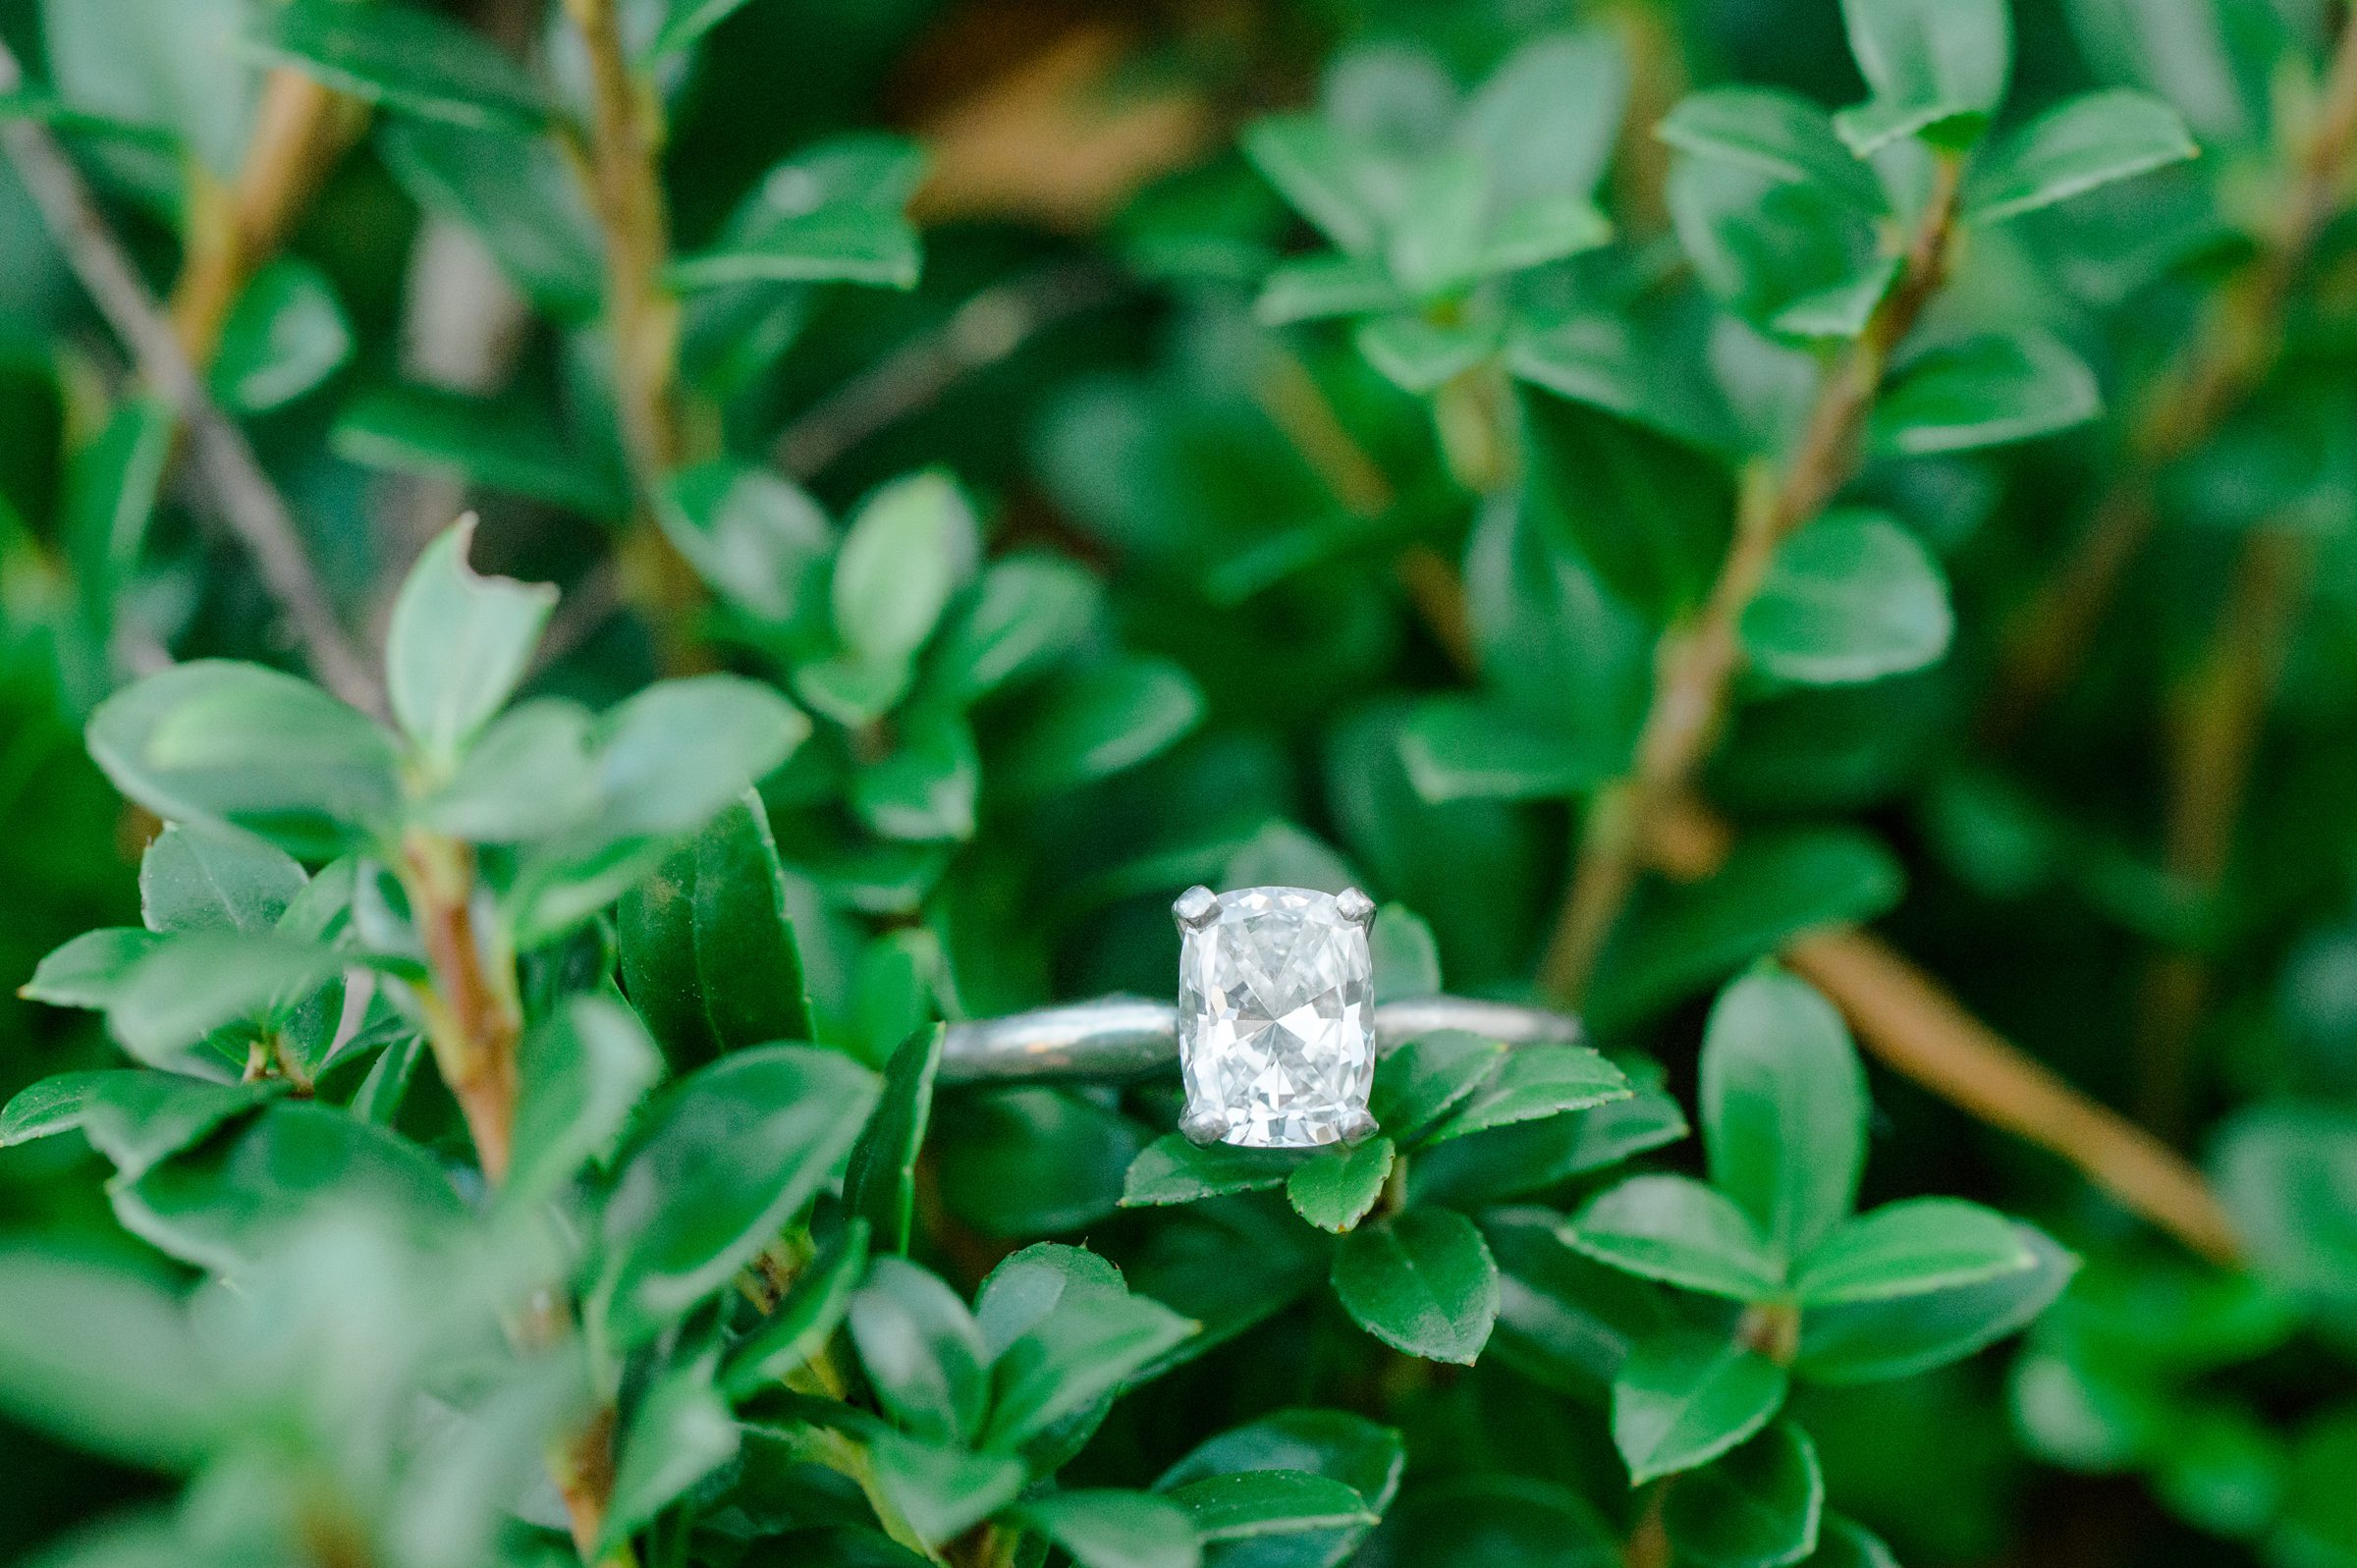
<point>1276,1025</point>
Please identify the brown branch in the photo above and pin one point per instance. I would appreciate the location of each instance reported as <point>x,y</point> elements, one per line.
<point>2235,347</point>
<point>2213,735</point>
<point>300,129</point>
<point>473,1016</point>
<point>1696,663</point>
<point>248,502</point>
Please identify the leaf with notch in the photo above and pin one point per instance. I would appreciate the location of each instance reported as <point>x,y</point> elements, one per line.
<point>459,643</point>
<point>1933,66</point>
<point>1420,1280</point>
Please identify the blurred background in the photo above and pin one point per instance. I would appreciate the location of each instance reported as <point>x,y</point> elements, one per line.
<point>2132,864</point>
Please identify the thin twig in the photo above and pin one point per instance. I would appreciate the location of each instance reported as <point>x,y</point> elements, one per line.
<point>2235,350</point>
<point>1696,663</point>
<point>984,331</point>
<point>2213,736</point>
<point>248,502</point>
<point>299,128</point>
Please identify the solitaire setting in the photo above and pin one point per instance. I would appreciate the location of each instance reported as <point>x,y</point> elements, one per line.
<point>1275,1016</point>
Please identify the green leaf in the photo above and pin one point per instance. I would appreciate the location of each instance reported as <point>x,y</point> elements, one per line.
<point>1171,1169</point>
<point>1033,1161</point>
<point>679,753</point>
<point>708,956</point>
<point>1546,120</point>
<point>1501,1517</point>
<point>196,983</point>
<point>1319,288</point>
<point>845,242</point>
<point>1249,1504</point>
<point>680,1432</point>
<point>140,1119</point>
<point>944,1491</point>
<point>880,1184</point>
<point>922,1352</point>
<point>800,1326</point>
<point>1850,598</point>
<point>1684,1399</point>
<point>530,776</point>
<point>49,1105</point>
<point>1418,1083</point>
<point>1773,133</point>
<point>176,67</point>
<point>284,336</point>
<point>508,442</point>
<point>515,193</point>
<point>1335,1188</point>
<point>925,790</point>
<point>1783,1107</point>
<point>203,879</point>
<point>1679,1231</point>
<point>1902,1335</point>
<point>230,1202</point>
<point>2079,145</point>
<point>1930,64</point>
<point>237,745</point>
<point>459,644</point>
<point>1844,1544</point>
<point>1092,723</point>
<point>1630,371</point>
<point>1405,955</point>
<point>1759,1506</point>
<point>1422,1281</point>
<point>581,1071</point>
<point>1983,392</point>
<point>103,1358</point>
<point>1485,1167</point>
<point>1317,170</point>
<point>1028,612</point>
<point>409,60</point>
<point>757,539</point>
<point>1418,353</point>
<point>1115,1528</point>
<point>1802,260</point>
<point>1065,1335</point>
<point>1458,748</point>
<point>685,21</point>
<point>1535,1082</point>
<point>89,970</point>
<point>1340,1446</point>
<point>1910,1248</point>
<point>908,550</point>
<point>2283,1171</point>
<point>724,1157</point>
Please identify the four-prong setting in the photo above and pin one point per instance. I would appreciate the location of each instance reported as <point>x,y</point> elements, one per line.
<point>1275,1016</point>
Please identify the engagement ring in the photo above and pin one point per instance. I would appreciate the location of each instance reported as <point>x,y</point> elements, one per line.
<point>1276,1029</point>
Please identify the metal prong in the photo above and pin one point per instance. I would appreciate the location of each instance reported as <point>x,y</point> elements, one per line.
<point>1194,907</point>
<point>1201,1130</point>
<point>1356,906</point>
<point>1360,1126</point>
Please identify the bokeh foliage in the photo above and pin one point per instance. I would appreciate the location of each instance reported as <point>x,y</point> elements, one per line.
<point>1648,489</point>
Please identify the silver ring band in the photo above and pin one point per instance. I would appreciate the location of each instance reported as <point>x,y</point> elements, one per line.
<point>1130,1037</point>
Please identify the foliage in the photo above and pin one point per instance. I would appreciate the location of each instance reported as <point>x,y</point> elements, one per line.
<point>1644,489</point>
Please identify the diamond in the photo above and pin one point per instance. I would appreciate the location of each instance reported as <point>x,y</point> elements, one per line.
<point>1275,1014</point>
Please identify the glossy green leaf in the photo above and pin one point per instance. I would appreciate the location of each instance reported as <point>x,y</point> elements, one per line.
<point>1773,133</point>
<point>203,879</point>
<point>926,790</point>
<point>414,61</point>
<point>722,1160</point>
<point>1901,1335</point>
<point>1033,1161</point>
<point>880,1183</point>
<point>1760,1506</point>
<point>1422,1281</point>
<point>799,1326</point>
<point>2078,146</point>
<point>709,954</point>
<point>1418,1083</point>
<point>1910,1248</point>
<point>582,1073</point>
<point>922,1352</point>
<point>1404,953</point>
<point>680,1434</point>
<point>1682,1232</point>
<point>1783,1107</point>
<point>530,775</point>
<point>177,67</point>
<point>1171,1169</point>
<point>459,644</point>
<point>508,443</point>
<point>1497,1516</point>
<point>1027,612</point>
<point>1459,749</point>
<point>1851,597</point>
<point>1066,1335</point>
<point>140,1119</point>
<point>196,983</point>
<point>2281,1170</point>
<point>1248,1504</point>
<point>1985,391</point>
<point>284,336</point>
<point>1418,353</point>
<point>1092,723</point>
<point>1320,174</point>
<point>1317,288</point>
<point>1336,1188</point>
<point>49,1105</point>
<point>89,970</point>
<point>1798,260</point>
<point>239,745</point>
<point>1684,1399</point>
<point>1535,1082</point>
<point>1489,1167</point>
<point>515,193</point>
<point>908,550</point>
<point>845,242</point>
<point>101,1355</point>
<point>941,1491</point>
<point>677,755</point>
<point>757,539</point>
<point>1932,65</point>
<point>1115,1528</point>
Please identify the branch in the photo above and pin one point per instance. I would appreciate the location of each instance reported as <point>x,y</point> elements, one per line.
<point>299,128</point>
<point>1696,663</point>
<point>2233,351</point>
<point>472,1014</point>
<point>248,502</point>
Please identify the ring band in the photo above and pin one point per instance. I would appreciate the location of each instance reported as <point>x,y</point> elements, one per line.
<point>1131,1037</point>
